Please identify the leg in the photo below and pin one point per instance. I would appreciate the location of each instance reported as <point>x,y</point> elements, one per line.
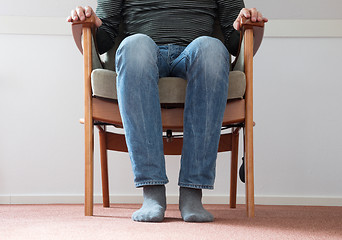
<point>89,169</point>
<point>88,125</point>
<point>138,97</point>
<point>104,165</point>
<point>249,172</point>
<point>205,65</point>
<point>233,167</point>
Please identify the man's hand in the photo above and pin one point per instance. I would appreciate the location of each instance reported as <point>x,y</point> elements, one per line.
<point>249,13</point>
<point>81,14</point>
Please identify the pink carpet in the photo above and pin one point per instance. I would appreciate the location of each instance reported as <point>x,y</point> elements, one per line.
<point>51,222</point>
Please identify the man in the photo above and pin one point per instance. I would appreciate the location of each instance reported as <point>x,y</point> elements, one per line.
<point>171,38</point>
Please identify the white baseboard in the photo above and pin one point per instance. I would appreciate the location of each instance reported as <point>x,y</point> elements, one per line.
<point>275,28</point>
<point>171,199</point>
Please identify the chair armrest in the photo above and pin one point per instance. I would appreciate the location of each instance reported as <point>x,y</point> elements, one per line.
<point>258,34</point>
<point>77,29</point>
<point>258,31</point>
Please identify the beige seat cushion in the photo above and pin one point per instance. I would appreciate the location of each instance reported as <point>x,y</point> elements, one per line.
<point>171,89</point>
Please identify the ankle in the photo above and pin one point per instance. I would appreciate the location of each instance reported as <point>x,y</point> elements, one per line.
<point>190,193</point>
<point>155,193</point>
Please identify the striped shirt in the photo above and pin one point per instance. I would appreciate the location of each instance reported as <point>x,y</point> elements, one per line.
<point>168,21</point>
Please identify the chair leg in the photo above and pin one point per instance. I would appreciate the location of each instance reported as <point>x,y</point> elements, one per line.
<point>249,171</point>
<point>89,169</point>
<point>249,175</point>
<point>104,166</point>
<point>88,123</point>
<point>233,167</point>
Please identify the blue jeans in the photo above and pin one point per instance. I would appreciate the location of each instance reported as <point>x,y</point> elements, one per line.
<point>204,63</point>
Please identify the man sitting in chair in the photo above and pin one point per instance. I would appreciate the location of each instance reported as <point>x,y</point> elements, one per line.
<point>171,38</point>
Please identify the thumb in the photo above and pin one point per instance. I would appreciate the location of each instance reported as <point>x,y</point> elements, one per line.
<point>98,21</point>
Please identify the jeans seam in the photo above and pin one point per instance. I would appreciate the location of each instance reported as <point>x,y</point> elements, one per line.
<point>151,182</point>
<point>197,186</point>
<point>174,64</point>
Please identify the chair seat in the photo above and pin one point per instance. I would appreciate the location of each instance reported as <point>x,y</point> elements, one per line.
<point>108,112</point>
<point>171,89</point>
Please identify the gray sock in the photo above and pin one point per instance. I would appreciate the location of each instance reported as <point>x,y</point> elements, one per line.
<point>154,206</point>
<point>190,205</point>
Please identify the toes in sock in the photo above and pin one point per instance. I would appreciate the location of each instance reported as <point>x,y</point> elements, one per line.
<point>190,205</point>
<point>154,206</point>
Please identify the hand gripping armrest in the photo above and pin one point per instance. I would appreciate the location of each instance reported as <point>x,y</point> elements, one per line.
<point>258,33</point>
<point>77,30</point>
<point>77,27</point>
<point>258,30</point>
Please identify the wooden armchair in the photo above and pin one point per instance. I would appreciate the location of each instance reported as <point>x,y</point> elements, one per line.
<point>101,111</point>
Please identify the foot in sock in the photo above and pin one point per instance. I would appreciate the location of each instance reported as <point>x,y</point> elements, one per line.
<point>154,206</point>
<point>190,205</point>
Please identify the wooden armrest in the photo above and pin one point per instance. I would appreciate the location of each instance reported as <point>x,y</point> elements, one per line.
<point>247,23</point>
<point>258,31</point>
<point>76,28</point>
<point>258,34</point>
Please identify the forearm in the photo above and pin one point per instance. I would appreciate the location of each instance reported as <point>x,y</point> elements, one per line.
<point>228,10</point>
<point>105,35</point>
<point>110,14</point>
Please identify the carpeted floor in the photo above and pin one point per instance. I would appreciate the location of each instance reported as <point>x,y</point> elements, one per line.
<point>51,222</point>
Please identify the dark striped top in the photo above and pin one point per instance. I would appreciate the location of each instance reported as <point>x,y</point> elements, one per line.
<point>168,21</point>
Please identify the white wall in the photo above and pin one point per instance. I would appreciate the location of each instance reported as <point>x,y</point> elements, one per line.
<point>294,9</point>
<point>275,9</point>
<point>297,111</point>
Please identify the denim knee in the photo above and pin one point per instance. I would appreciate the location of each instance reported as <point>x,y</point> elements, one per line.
<point>209,52</point>
<point>211,48</point>
<point>137,42</point>
<point>209,56</point>
<point>136,51</point>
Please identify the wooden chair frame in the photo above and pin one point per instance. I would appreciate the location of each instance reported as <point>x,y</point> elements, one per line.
<point>101,112</point>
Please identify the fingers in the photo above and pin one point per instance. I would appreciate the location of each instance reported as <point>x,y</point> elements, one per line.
<point>254,14</point>
<point>259,17</point>
<point>249,13</point>
<point>80,13</point>
<point>245,12</point>
<point>88,11</point>
<point>236,24</point>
